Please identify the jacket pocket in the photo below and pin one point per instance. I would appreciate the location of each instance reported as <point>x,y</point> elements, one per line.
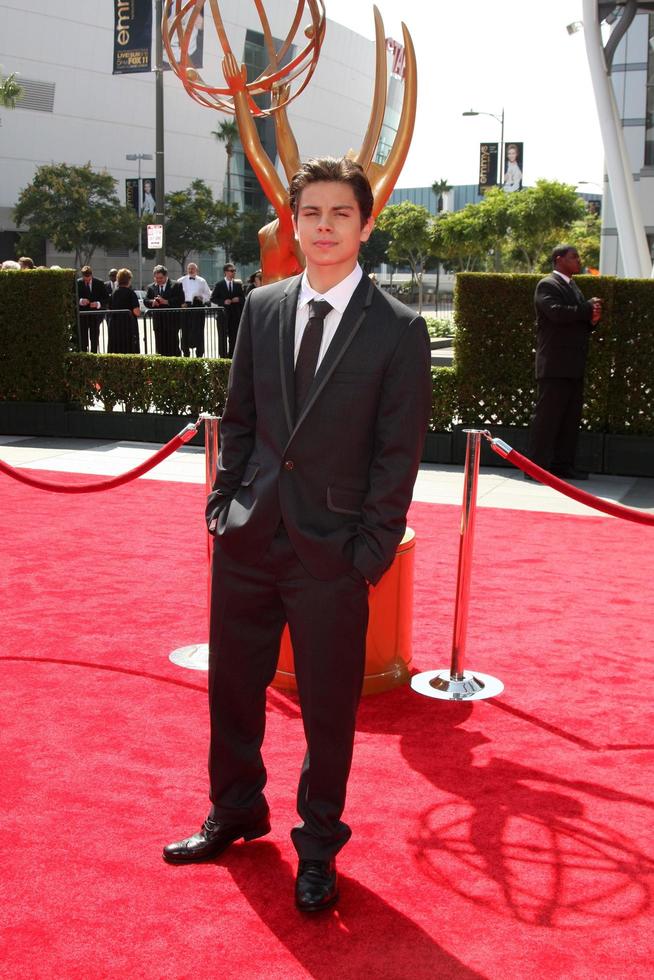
<point>342,500</point>
<point>251,471</point>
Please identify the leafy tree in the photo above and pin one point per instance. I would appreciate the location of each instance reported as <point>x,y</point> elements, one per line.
<point>409,228</point>
<point>195,222</point>
<point>440,187</point>
<point>584,234</point>
<point>375,250</point>
<point>77,209</point>
<point>244,246</point>
<point>10,91</point>
<point>539,218</point>
<point>227,133</point>
<point>464,238</point>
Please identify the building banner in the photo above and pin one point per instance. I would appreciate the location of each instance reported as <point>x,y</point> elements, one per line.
<point>196,42</point>
<point>145,203</point>
<point>488,153</point>
<point>132,36</point>
<point>512,167</point>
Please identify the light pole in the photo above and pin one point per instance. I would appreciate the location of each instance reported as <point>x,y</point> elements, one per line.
<point>500,119</point>
<point>139,157</point>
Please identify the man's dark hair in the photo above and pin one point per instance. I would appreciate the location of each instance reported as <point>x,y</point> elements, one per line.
<point>342,171</point>
<point>229,265</point>
<point>160,268</point>
<point>560,251</point>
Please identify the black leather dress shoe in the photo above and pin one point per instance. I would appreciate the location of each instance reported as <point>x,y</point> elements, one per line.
<point>316,885</point>
<point>212,839</point>
<point>570,473</point>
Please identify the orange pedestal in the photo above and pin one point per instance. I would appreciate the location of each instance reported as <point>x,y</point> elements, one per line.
<point>388,642</point>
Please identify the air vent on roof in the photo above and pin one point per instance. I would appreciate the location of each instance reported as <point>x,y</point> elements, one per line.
<point>35,95</point>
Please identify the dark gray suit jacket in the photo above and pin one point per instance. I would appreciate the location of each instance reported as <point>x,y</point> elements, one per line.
<point>563,325</point>
<point>341,475</point>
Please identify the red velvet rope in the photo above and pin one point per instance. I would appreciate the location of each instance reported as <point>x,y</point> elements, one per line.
<point>115,481</point>
<point>606,506</point>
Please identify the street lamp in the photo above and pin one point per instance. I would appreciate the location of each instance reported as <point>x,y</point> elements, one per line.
<point>139,157</point>
<point>500,119</point>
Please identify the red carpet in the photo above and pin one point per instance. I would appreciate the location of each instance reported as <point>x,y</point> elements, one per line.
<point>509,838</point>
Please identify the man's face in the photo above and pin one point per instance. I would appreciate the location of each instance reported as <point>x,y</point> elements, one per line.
<point>159,278</point>
<point>87,276</point>
<point>569,264</point>
<point>230,273</point>
<point>192,269</point>
<point>328,225</point>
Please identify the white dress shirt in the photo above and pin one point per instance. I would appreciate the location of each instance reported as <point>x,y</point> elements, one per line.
<point>565,278</point>
<point>195,286</point>
<point>338,297</point>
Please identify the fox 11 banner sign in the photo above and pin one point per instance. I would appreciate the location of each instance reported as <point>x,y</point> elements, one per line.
<point>132,36</point>
<point>488,153</point>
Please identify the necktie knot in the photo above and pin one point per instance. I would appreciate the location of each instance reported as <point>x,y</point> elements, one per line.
<point>319,308</point>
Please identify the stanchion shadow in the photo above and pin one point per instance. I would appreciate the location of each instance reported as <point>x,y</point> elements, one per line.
<point>363,935</point>
<point>510,837</point>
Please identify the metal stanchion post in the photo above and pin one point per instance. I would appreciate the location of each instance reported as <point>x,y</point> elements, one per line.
<point>458,684</point>
<point>196,656</point>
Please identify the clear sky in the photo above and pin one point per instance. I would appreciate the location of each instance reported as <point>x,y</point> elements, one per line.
<point>488,56</point>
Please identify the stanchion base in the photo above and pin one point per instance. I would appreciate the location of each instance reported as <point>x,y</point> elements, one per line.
<point>440,684</point>
<point>195,657</point>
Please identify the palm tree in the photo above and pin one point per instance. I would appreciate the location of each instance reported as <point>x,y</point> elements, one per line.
<point>439,188</point>
<point>10,91</point>
<point>227,133</point>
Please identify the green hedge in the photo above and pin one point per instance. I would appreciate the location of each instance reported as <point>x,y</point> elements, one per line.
<point>172,385</point>
<point>491,384</point>
<point>36,312</point>
<point>494,350</point>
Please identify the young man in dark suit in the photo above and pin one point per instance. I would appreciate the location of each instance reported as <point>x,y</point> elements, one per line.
<point>228,293</point>
<point>321,437</point>
<point>564,321</point>
<point>91,299</point>
<point>164,294</point>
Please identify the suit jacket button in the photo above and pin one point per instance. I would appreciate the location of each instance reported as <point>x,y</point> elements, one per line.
<point>289,464</point>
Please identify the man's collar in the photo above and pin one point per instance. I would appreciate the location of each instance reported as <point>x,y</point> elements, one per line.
<point>338,296</point>
<point>565,278</point>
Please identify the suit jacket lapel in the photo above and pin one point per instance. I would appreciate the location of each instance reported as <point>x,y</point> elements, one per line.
<point>351,320</point>
<point>287,310</point>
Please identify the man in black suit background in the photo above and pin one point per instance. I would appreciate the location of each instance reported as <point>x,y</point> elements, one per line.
<point>329,397</point>
<point>228,292</point>
<point>91,298</point>
<point>564,321</point>
<point>163,295</point>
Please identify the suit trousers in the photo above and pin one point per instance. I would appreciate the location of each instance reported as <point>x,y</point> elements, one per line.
<point>89,330</point>
<point>250,605</point>
<point>555,424</point>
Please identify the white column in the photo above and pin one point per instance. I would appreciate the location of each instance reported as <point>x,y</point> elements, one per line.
<point>635,254</point>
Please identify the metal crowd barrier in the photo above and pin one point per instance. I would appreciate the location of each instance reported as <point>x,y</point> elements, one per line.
<point>93,332</point>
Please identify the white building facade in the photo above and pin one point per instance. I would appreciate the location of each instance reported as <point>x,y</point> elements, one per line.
<point>75,111</point>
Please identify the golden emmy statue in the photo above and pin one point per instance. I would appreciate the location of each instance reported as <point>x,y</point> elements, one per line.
<point>280,84</point>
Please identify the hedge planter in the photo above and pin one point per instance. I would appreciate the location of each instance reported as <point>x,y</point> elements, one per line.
<point>129,426</point>
<point>437,448</point>
<point>33,419</point>
<point>629,455</point>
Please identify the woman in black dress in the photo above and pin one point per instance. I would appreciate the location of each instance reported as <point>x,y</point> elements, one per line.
<point>123,321</point>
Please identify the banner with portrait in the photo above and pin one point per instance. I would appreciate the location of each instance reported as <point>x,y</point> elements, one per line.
<point>512,167</point>
<point>132,36</point>
<point>488,153</point>
<point>145,202</point>
<point>196,42</point>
